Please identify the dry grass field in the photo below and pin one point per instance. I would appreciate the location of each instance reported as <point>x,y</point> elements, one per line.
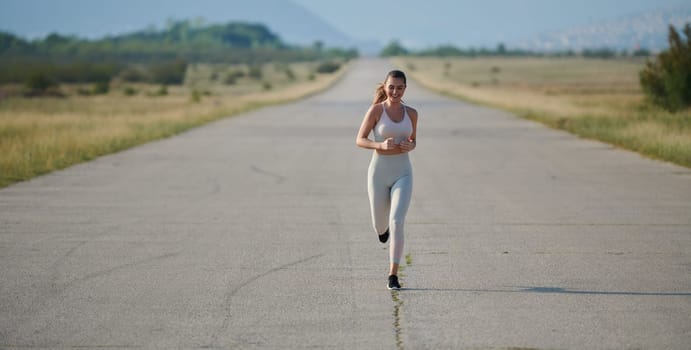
<point>594,98</point>
<point>38,135</point>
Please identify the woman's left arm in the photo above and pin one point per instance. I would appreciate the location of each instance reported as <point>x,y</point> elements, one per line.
<point>409,144</point>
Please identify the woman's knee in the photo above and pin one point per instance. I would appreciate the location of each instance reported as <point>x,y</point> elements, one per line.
<point>397,224</point>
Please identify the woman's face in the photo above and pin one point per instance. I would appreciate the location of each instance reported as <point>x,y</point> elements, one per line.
<point>395,87</point>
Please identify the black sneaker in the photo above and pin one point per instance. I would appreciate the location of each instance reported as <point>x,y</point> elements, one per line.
<point>393,282</point>
<point>384,236</point>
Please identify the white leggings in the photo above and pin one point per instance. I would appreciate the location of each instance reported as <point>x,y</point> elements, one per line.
<point>390,185</point>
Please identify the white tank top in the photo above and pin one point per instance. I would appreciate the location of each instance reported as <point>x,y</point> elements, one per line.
<point>386,127</point>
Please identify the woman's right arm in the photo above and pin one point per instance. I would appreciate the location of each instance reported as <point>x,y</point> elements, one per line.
<point>366,127</point>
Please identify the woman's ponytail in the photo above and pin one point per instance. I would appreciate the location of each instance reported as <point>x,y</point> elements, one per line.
<point>379,94</point>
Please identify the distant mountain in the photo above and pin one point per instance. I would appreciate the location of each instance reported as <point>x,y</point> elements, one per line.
<point>294,23</point>
<point>95,19</point>
<point>646,30</point>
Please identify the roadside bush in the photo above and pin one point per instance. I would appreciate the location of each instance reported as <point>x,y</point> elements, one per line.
<point>328,67</point>
<point>290,74</point>
<point>255,72</point>
<point>667,80</point>
<point>230,80</point>
<point>39,82</point>
<point>169,73</point>
<point>232,77</point>
<point>98,88</point>
<point>130,91</point>
<point>101,87</point>
<point>162,91</point>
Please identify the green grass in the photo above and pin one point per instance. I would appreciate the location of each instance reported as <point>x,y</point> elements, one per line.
<point>657,134</point>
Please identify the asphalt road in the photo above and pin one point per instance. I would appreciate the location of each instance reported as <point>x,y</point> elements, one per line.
<point>254,232</point>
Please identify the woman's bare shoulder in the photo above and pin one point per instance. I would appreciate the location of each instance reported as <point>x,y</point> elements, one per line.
<point>376,108</point>
<point>375,111</point>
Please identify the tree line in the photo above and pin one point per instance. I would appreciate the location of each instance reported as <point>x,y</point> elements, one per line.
<point>156,56</point>
<point>394,48</point>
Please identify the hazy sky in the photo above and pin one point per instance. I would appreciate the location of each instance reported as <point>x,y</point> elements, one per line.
<point>416,23</point>
<point>420,23</point>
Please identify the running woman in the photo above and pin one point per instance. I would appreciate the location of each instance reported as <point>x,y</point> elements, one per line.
<point>390,175</point>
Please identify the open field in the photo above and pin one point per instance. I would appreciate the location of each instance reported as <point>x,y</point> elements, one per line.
<point>38,135</point>
<point>599,99</point>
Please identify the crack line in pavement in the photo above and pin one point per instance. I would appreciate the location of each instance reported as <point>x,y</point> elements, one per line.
<point>398,332</point>
<point>116,268</point>
<point>55,288</point>
<point>279,178</point>
<point>231,293</point>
